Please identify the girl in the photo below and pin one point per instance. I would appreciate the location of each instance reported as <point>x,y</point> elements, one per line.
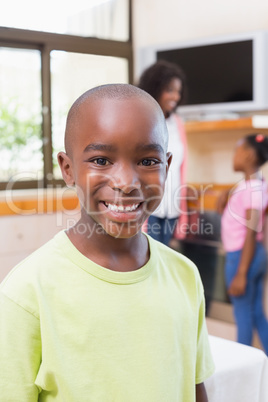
<point>242,236</point>
<point>166,83</point>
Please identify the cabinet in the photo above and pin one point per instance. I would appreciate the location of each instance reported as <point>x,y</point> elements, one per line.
<point>252,123</point>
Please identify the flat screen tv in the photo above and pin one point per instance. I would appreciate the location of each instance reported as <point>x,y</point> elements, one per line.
<point>225,75</point>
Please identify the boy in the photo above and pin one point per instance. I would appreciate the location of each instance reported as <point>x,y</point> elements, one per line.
<point>103,312</point>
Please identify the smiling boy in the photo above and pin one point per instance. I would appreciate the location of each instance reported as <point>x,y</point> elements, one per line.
<point>103,312</point>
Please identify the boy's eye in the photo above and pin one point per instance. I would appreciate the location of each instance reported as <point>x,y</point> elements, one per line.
<point>100,161</point>
<point>148,162</point>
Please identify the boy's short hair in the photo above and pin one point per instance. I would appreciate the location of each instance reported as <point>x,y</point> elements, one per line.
<point>108,91</point>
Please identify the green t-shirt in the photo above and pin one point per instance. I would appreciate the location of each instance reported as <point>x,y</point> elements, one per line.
<point>74,331</point>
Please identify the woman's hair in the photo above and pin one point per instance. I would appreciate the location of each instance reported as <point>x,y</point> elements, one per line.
<point>157,77</point>
<point>259,143</point>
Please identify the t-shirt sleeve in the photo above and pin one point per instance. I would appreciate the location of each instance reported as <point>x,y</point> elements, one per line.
<point>20,351</point>
<point>204,361</point>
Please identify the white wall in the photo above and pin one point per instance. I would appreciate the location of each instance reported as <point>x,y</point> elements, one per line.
<point>211,157</point>
<point>160,21</point>
<point>20,235</point>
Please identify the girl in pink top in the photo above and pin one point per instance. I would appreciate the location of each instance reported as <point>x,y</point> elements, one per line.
<point>242,237</point>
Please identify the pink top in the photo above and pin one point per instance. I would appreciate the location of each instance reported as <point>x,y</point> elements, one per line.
<point>248,194</point>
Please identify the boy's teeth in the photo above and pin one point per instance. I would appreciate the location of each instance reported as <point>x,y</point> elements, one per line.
<point>121,208</point>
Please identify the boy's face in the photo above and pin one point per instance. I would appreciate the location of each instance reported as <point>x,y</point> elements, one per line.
<point>118,164</point>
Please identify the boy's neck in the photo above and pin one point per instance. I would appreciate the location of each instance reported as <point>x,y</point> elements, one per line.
<point>122,255</point>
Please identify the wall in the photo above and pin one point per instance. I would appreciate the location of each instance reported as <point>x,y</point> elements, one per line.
<point>20,235</point>
<point>211,157</point>
<point>158,21</point>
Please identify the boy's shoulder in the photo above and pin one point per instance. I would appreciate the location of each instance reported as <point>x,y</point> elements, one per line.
<point>175,269</point>
<point>172,259</point>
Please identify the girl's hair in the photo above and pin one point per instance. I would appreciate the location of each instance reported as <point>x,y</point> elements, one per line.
<point>259,143</point>
<point>157,77</point>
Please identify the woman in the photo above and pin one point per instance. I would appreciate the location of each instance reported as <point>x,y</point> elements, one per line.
<point>165,82</point>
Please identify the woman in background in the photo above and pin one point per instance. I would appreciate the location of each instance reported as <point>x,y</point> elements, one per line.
<point>165,82</point>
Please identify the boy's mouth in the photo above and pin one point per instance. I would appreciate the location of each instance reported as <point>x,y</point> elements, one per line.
<point>122,208</point>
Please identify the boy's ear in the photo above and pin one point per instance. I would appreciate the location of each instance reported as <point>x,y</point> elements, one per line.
<point>66,168</point>
<point>169,160</point>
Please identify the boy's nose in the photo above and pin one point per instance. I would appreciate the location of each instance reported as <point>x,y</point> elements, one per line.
<point>125,179</point>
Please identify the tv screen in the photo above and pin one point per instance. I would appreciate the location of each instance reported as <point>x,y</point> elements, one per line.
<point>216,73</point>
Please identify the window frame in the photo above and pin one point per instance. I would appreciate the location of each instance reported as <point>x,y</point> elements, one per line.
<point>46,42</point>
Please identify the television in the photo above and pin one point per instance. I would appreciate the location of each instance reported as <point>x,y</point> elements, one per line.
<point>226,76</point>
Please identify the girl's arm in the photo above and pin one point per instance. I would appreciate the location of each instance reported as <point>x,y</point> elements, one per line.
<point>239,283</point>
<point>200,391</point>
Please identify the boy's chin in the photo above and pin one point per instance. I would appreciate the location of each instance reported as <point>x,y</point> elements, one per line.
<point>122,231</point>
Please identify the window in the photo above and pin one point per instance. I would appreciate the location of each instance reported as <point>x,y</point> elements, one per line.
<point>42,73</point>
<point>20,113</point>
<point>104,19</point>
